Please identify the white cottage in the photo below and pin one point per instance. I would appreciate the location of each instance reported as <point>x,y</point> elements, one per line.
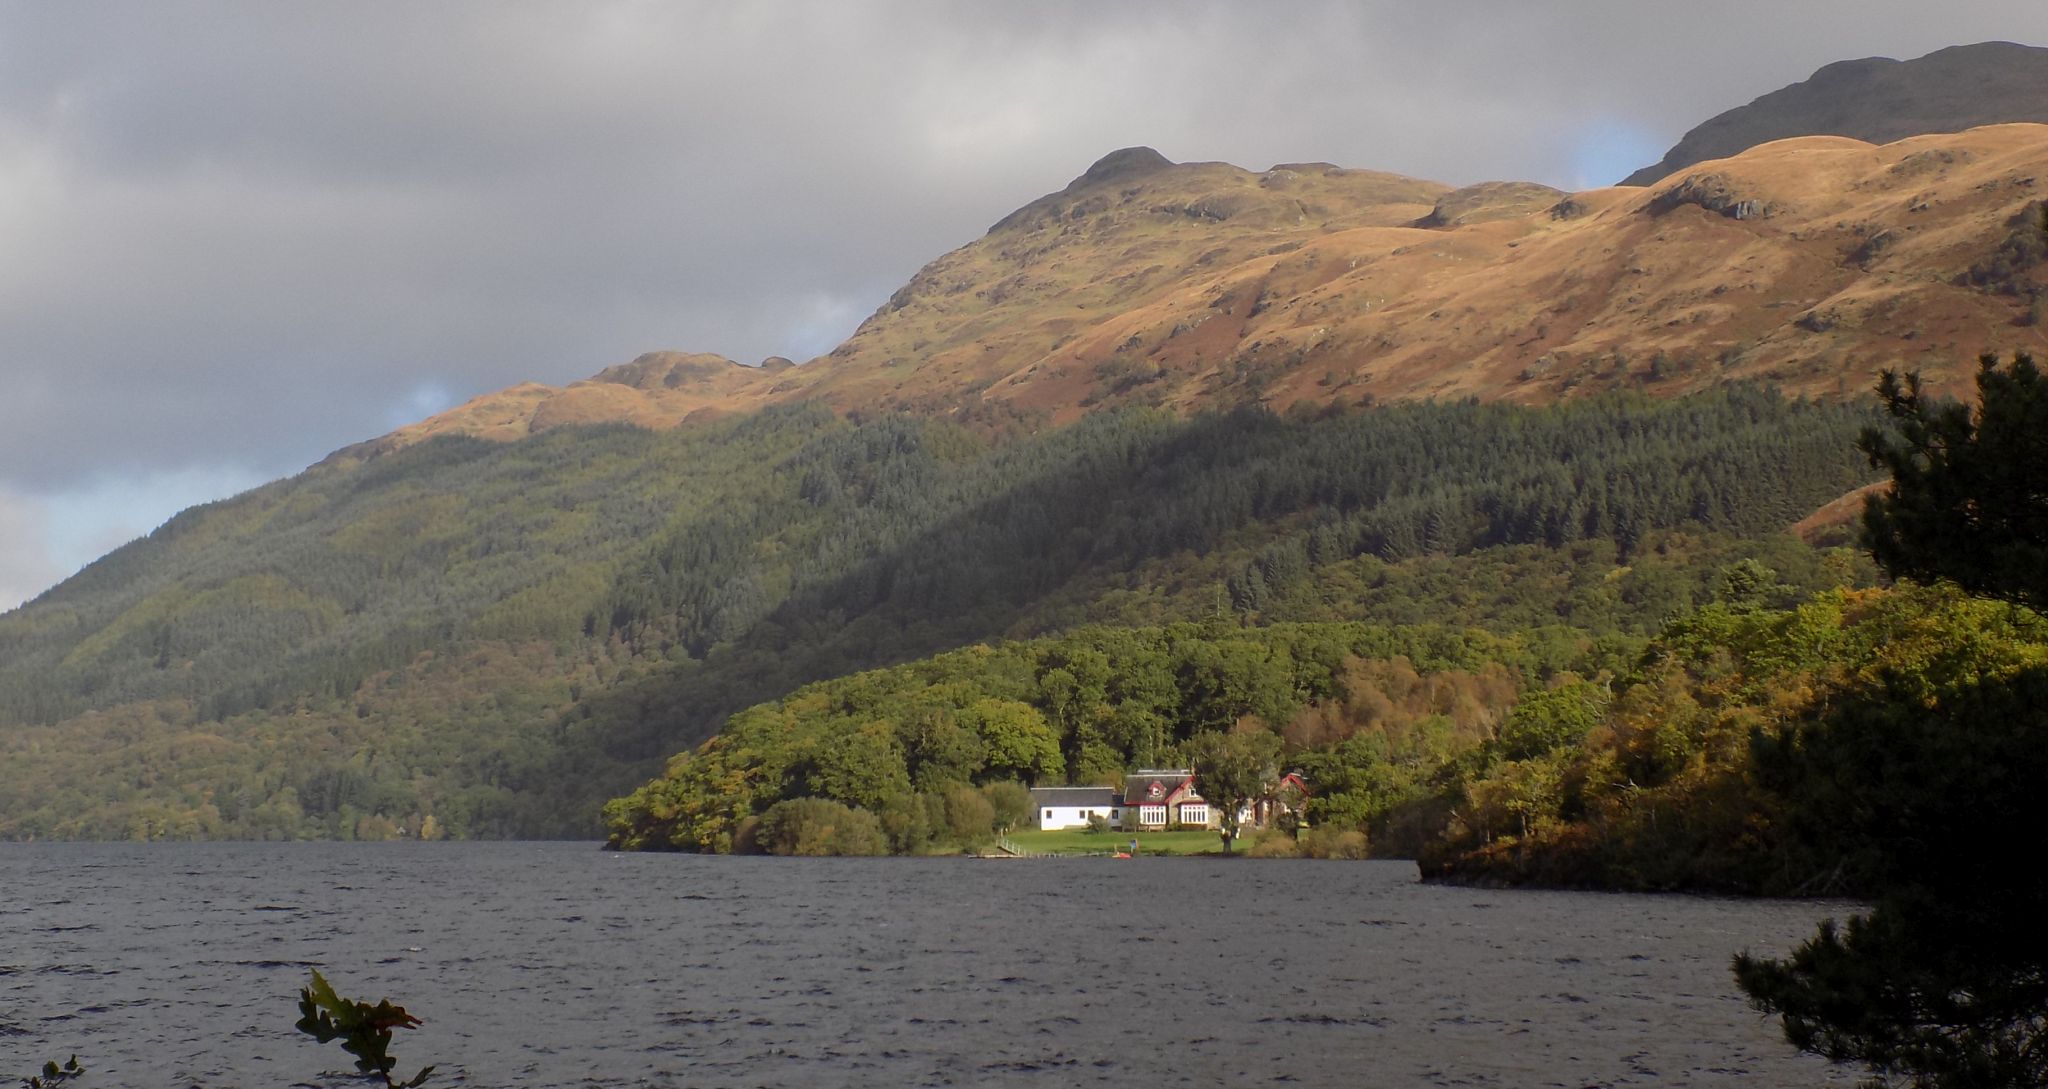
<point>1070,807</point>
<point>1158,799</point>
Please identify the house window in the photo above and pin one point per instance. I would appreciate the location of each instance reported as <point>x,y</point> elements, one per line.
<point>1048,814</point>
<point>1113,814</point>
<point>1194,814</point>
<point>1151,814</point>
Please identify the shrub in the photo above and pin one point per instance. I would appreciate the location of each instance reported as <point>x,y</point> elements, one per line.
<point>819,826</point>
<point>1011,802</point>
<point>1333,843</point>
<point>1273,844</point>
<point>745,837</point>
<point>970,819</point>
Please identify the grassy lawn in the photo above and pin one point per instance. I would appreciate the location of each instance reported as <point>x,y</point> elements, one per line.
<point>1080,841</point>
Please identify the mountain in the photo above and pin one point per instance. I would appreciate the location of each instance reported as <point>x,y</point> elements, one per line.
<point>501,635</point>
<point>1167,394</point>
<point>1879,100</point>
<point>1810,264</point>
<point>1131,229</point>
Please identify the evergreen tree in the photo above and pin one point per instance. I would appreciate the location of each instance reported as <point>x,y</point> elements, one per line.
<point>1969,495</point>
<point>1944,985</point>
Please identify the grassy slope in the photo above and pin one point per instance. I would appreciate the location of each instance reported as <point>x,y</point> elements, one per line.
<point>1080,841</point>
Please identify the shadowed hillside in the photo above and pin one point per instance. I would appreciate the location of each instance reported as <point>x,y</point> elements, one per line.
<point>1877,99</point>
<point>501,635</point>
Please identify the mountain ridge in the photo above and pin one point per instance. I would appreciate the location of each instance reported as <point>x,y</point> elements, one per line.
<point>1811,263</point>
<point>1877,100</point>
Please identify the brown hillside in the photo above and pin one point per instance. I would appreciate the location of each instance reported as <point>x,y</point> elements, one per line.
<point>1132,231</point>
<point>1810,263</point>
<point>657,390</point>
<point>1835,521</point>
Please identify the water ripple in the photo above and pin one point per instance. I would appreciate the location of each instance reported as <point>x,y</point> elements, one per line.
<point>557,965</point>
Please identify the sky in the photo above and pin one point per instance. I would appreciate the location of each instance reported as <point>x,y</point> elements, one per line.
<point>237,236</point>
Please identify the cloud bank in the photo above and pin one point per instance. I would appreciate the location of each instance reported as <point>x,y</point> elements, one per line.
<point>240,235</point>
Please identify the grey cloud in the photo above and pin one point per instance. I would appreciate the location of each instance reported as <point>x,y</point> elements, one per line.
<point>26,567</point>
<point>241,233</point>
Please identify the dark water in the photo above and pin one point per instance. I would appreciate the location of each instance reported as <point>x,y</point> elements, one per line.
<point>557,965</point>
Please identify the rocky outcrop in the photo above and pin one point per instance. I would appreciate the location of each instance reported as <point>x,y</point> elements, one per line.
<point>1488,201</point>
<point>2009,269</point>
<point>1120,164</point>
<point>1716,193</point>
<point>666,370</point>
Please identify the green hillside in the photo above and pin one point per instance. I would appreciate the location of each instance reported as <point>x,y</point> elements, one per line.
<point>501,636</point>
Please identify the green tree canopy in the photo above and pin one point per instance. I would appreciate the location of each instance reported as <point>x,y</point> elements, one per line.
<point>1010,802</point>
<point>820,826</point>
<point>1231,770</point>
<point>1021,744</point>
<point>1547,721</point>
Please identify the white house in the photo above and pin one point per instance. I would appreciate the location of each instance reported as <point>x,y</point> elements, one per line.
<point>1070,807</point>
<point>1157,799</point>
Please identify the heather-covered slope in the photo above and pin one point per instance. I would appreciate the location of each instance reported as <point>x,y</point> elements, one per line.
<point>1811,264</point>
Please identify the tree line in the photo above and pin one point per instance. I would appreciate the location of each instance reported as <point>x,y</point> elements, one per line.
<point>500,636</point>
